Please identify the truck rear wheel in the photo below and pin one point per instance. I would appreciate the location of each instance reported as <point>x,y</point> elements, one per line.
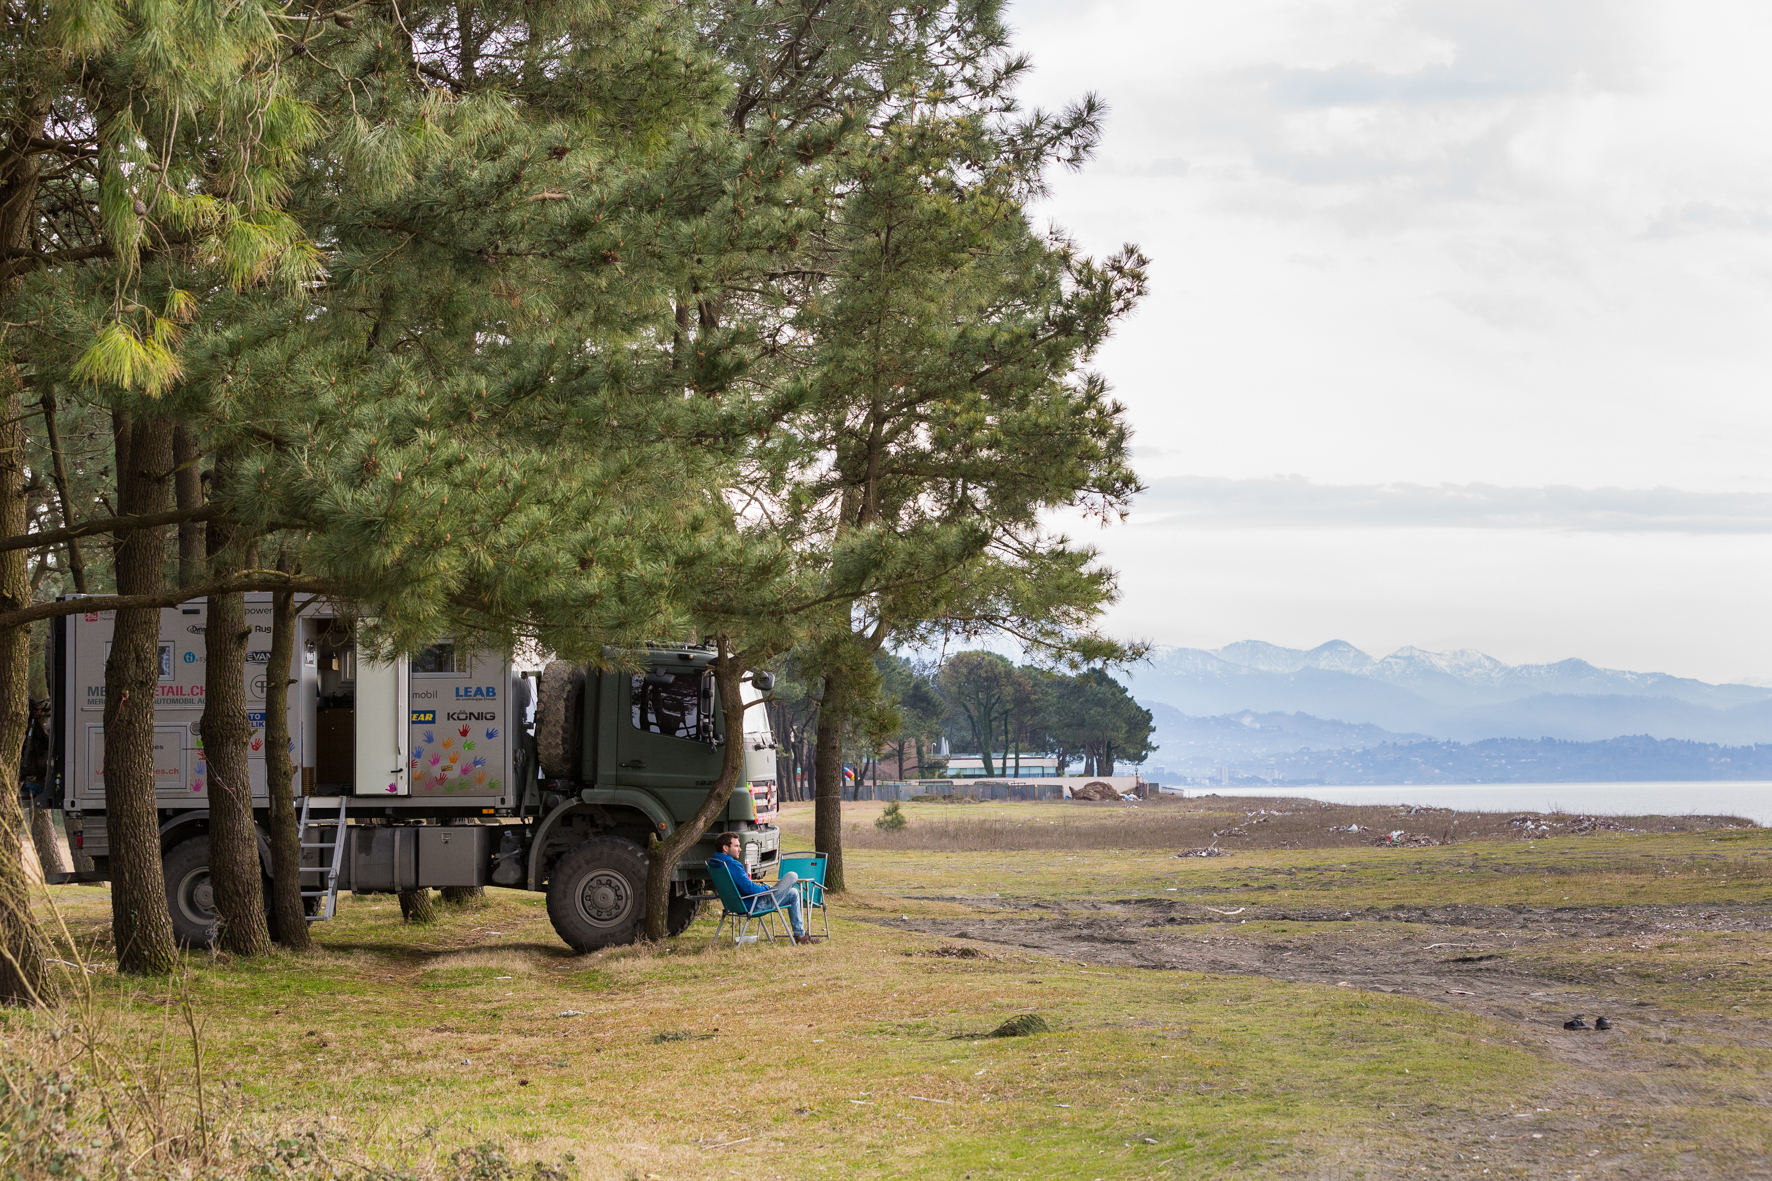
<point>559,719</point>
<point>597,894</point>
<point>189,894</point>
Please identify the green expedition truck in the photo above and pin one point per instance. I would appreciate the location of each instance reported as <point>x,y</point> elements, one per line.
<point>448,769</point>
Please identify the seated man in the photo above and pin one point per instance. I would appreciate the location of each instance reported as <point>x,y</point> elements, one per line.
<point>787,893</point>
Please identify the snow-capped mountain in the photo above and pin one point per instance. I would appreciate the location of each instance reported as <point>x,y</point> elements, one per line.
<point>1464,694</point>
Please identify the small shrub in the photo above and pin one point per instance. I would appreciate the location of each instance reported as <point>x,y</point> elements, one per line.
<point>1022,1025</point>
<point>892,819</point>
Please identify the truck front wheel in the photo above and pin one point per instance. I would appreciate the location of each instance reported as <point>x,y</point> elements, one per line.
<point>189,895</point>
<point>597,894</point>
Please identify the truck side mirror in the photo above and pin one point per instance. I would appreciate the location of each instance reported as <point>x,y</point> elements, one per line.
<point>763,681</point>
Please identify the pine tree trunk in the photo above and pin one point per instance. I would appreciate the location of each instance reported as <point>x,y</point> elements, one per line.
<point>827,781</point>
<point>286,883</point>
<point>49,850</point>
<point>59,471</point>
<point>140,924</point>
<point>234,868</point>
<point>23,976</point>
<point>188,483</point>
<point>416,906</point>
<point>23,973</point>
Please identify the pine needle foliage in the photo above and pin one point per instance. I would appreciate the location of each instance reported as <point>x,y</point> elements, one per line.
<point>488,419</point>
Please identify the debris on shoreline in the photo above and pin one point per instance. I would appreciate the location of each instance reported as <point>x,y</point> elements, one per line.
<point>1401,839</point>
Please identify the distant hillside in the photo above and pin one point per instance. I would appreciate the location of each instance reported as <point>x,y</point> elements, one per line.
<point>1514,760</point>
<point>1202,743</point>
<point>1465,695</point>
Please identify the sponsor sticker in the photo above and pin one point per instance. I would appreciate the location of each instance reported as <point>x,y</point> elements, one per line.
<point>424,717</point>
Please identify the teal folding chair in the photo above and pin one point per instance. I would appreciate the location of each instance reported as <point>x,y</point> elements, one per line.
<point>810,867</point>
<point>742,909</point>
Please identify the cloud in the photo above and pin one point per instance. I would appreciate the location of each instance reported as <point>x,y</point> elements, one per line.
<point>1477,50</point>
<point>1293,502</point>
<point>1443,98</point>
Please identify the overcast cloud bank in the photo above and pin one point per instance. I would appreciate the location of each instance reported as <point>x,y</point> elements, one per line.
<point>1286,502</point>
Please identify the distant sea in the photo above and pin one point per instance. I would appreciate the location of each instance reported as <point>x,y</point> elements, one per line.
<point>1749,799</point>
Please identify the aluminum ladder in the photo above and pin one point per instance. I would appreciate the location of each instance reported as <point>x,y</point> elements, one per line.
<point>328,894</point>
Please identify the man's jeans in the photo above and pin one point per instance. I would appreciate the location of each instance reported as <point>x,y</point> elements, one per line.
<point>787,893</point>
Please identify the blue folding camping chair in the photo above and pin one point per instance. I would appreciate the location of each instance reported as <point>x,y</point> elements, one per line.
<point>740,908</point>
<point>810,867</point>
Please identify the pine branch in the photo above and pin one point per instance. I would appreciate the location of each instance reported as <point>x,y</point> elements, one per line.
<point>171,598</point>
<point>110,525</point>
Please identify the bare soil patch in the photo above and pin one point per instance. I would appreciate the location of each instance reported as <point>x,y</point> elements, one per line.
<point>1648,1068</point>
<point>1684,985</point>
<point>1232,823</point>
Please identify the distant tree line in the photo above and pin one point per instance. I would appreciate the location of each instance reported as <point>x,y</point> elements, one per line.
<point>983,704</point>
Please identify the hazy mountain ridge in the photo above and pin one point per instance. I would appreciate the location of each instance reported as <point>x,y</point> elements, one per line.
<point>1463,695</point>
<point>1198,744</point>
<point>1298,748</point>
<point>1638,759</point>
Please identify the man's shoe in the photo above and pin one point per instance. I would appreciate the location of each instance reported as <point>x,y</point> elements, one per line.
<point>1575,1023</point>
<point>805,938</point>
<point>1602,1023</point>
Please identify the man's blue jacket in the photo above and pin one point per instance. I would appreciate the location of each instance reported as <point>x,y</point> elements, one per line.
<point>741,876</point>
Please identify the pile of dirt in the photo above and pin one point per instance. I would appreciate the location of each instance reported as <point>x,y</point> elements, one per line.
<point>1095,791</point>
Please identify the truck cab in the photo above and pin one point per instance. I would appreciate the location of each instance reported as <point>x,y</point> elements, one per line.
<point>629,751</point>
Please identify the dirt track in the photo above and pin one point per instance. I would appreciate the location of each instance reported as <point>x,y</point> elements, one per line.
<point>1462,957</point>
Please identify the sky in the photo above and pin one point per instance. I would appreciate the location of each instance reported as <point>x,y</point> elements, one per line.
<point>1457,333</point>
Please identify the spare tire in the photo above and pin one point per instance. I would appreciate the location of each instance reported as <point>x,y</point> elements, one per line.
<point>559,713</point>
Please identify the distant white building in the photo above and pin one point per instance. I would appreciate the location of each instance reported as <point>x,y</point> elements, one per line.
<point>1030,767</point>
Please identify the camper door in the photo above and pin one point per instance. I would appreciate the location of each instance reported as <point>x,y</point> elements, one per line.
<point>382,706</point>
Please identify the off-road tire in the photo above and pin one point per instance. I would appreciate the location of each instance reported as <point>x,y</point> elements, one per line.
<point>189,895</point>
<point>597,894</point>
<point>559,719</point>
<point>682,914</point>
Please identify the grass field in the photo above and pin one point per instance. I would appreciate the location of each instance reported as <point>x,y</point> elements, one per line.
<point>1346,1011</point>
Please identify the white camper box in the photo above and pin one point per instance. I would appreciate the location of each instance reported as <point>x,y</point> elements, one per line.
<point>435,730</point>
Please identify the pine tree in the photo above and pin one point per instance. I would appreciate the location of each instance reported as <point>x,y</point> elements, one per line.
<point>168,126</point>
<point>944,379</point>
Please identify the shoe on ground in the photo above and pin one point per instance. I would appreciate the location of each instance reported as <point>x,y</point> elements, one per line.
<point>1602,1023</point>
<point>1576,1022</point>
<point>806,938</point>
